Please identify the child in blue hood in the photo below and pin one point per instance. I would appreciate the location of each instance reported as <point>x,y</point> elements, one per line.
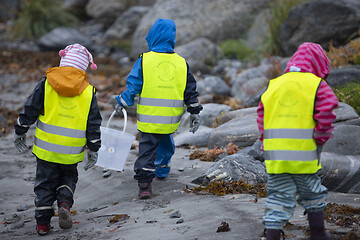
<point>164,83</point>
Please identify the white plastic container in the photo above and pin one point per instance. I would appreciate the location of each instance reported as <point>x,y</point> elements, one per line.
<point>115,146</point>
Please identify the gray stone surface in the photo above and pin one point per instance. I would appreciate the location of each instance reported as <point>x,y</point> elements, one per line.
<point>199,139</point>
<point>213,85</point>
<point>346,140</point>
<point>320,21</point>
<point>343,75</point>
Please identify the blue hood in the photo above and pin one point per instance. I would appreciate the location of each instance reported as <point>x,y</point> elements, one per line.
<point>162,36</point>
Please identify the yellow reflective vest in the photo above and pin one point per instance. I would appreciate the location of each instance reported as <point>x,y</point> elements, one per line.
<point>161,101</point>
<point>60,135</point>
<point>289,146</point>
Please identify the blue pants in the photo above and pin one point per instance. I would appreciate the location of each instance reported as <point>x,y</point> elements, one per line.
<point>155,152</point>
<point>281,197</point>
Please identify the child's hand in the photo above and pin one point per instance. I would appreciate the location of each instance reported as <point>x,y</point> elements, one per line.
<point>92,159</point>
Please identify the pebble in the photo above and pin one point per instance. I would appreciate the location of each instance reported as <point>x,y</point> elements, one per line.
<point>22,207</point>
<point>175,214</point>
<point>181,169</point>
<point>107,174</point>
<point>181,220</point>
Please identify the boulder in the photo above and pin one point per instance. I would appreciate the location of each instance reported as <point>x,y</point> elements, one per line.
<point>320,21</point>
<point>106,11</point>
<point>77,4</point>
<point>202,18</point>
<point>245,91</point>
<point>345,141</point>
<point>125,25</point>
<point>213,85</point>
<point>207,115</point>
<point>341,76</point>
<point>199,139</point>
<point>200,53</point>
<point>345,112</point>
<point>238,166</point>
<point>59,38</point>
<point>340,173</point>
<point>244,112</point>
<point>242,131</point>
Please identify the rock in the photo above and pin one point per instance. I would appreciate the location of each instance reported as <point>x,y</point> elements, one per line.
<point>23,207</point>
<point>201,18</point>
<point>77,4</point>
<point>8,9</point>
<point>106,11</point>
<point>207,115</point>
<point>345,112</point>
<point>106,174</point>
<point>259,30</point>
<point>341,76</point>
<point>244,89</point>
<point>233,168</point>
<point>125,25</point>
<point>201,51</point>
<point>181,220</point>
<point>176,214</point>
<point>340,173</point>
<point>242,132</point>
<point>254,151</point>
<point>200,138</point>
<point>320,21</point>
<point>345,141</point>
<point>59,38</point>
<point>244,112</point>
<point>249,74</point>
<point>213,85</point>
<point>225,65</point>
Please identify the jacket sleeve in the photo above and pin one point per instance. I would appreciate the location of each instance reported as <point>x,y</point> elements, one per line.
<point>260,122</point>
<point>134,83</point>
<point>191,95</point>
<point>34,106</point>
<point>325,103</point>
<point>93,135</point>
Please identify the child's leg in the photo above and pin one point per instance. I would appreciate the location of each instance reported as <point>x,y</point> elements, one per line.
<point>164,153</point>
<point>66,188</point>
<point>144,166</point>
<point>312,197</point>
<point>280,202</point>
<point>46,182</point>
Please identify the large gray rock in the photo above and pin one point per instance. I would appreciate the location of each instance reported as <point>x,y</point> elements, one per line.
<point>245,91</point>
<point>320,21</point>
<point>242,132</point>
<point>259,31</point>
<point>201,18</point>
<point>125,25</point>
<point>77,4</point>
<point>107,11</point>
<point>200,53</point>
<point>59,38</point>
<point>200,138</point>
<point>340,173</point>
<point>244,112</point>
<point>346,140</point>
<point>238,166</point>
<point>208,114</point>
<point>343,75</point>
<point>213,85</point>
<point>345,112</point>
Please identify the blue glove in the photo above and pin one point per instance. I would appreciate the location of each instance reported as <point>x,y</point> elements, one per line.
<point>20,142</point>
<point>92,159</point>
<point>194,122</point>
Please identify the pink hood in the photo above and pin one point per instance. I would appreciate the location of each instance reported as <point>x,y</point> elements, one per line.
<point>309,57</point>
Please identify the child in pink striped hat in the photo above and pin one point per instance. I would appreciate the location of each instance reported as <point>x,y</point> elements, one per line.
<point>295,119</point>
<point>67,116</point>
<point>76,56</point>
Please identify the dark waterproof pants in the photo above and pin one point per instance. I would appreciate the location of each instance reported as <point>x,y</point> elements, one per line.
<point>54,182</point>
<point>145,163</point>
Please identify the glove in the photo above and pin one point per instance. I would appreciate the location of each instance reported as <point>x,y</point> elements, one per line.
<point>92,159</point>
<point>20,142</point>
<point>118,108</point>
<point>194,122</point>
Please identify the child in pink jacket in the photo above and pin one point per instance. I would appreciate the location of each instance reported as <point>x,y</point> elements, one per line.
<point>295,119</point>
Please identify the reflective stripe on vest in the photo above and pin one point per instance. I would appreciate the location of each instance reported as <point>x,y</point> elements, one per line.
<point>289,146</point>
<point>55,143</point>
<point>161,102</point>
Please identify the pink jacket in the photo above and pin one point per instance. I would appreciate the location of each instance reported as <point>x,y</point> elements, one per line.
<point>310,57</point>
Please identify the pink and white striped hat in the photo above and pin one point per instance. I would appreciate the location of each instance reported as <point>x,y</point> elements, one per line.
<point>76,56</point>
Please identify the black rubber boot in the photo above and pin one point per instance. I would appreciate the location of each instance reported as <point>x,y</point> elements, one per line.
<point>274,234</point>
<point>317,227</point>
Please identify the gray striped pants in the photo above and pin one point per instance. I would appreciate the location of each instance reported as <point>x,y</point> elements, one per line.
<point>281,197</point>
